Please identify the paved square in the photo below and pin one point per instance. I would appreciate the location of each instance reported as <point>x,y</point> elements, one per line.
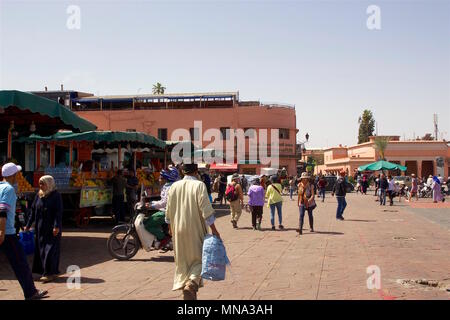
<point>406,241</point>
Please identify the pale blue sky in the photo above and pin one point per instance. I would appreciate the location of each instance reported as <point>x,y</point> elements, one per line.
<point>318,55</point>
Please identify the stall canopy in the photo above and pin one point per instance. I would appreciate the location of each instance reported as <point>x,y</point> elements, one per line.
<point>47,115</point>
<point>224,167</point>
<point>381,165</point>
<point>99,137</point>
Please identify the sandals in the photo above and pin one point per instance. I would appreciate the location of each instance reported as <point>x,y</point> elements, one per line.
<point>47,279</point>
<point>190,291</point>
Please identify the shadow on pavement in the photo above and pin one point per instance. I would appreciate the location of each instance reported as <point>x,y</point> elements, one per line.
<point>78,250</point>
<point>156,259</point>
<point>324,232</point>
<point>221,210</point>
<point>357,220</point>
<point>82,279</point>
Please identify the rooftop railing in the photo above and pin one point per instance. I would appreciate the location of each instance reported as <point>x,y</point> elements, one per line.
<point>266,104</point>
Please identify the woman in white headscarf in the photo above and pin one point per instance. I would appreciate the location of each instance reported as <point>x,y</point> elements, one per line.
<point>46,213</point>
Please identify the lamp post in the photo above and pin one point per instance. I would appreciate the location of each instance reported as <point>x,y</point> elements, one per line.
<point>302,145</point>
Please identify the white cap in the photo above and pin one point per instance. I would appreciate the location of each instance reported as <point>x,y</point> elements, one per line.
<point>10,169</point>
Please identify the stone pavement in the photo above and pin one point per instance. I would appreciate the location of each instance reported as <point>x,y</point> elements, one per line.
<point>328,264</point>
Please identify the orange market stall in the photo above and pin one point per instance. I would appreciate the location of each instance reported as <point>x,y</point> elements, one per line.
<point>84,182</point>
<point>22,114</point>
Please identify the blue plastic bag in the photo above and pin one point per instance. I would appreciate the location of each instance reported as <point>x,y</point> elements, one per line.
<point>214,259</point>
<point>26,239</point>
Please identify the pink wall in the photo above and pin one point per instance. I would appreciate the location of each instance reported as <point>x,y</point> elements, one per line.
<point>401,151</point>
<point>149,121</point>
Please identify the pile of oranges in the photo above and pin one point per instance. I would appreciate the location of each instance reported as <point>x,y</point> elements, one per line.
<point>146,179</point>
<point>23,184</point>
<point>77,180</point>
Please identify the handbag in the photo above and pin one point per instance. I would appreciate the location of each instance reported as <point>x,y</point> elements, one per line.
<point>313,205</point>
<point>26,239</point>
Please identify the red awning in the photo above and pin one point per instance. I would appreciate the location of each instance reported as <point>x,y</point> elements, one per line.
<point>224,167</point>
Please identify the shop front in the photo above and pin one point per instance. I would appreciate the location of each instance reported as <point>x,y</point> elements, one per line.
<point>83,164</point>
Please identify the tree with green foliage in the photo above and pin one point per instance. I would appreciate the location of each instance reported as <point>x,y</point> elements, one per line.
<point>158,88</point>
<point>366,126</point>
<point>381,144</point>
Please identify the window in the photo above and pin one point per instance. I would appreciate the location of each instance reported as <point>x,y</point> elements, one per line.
<point>284,133</point>
<point>225,131</point>
<point>131,130</point>
<point>194,133</point>
<point>162,134</point>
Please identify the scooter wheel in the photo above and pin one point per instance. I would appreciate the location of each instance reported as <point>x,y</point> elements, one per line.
<point>123,246</point>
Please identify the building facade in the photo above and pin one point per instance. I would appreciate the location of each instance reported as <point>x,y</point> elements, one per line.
<point>162,115</point>
<point>421,157</point>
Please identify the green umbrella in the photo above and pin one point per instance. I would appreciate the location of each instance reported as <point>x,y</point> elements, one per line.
<point>381,165</point>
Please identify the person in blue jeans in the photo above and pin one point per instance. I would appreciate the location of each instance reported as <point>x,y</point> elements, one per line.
<point>9,242</point>
<point>340,190</point>
<point>384,185</point>
<point>291,187</point>
<point>275,201</point>
<point>322,185</point>
<point>306,201</point>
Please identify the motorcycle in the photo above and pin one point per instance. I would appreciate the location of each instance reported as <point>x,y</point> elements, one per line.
<point>126,239</point>
<point>425,191</point>
<point>445,189</point>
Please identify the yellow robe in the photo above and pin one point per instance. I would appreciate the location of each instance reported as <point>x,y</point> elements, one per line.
<point>188,207</point>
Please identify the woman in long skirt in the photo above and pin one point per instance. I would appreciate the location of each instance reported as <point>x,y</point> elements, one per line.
<point>437,194</point>
<point>46,213</point>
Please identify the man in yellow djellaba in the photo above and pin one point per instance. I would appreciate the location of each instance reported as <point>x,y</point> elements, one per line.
<point>189,213</point>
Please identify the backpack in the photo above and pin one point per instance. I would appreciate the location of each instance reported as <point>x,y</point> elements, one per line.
<point>230,193</point>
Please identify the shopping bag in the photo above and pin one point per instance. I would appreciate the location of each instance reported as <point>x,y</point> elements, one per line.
<point>26,239</point>
<point>214,259</point>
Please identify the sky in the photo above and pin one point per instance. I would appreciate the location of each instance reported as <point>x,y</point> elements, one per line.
<point>318,55</point>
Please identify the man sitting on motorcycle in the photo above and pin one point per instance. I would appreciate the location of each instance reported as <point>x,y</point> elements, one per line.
<point>154,223</point>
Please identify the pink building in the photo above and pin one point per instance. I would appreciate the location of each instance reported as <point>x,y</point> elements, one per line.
<point>160,115</point>
<point>419,156</point>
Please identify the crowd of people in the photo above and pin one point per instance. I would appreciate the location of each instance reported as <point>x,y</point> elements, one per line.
<point>387,187</point>
<point>186,208</point>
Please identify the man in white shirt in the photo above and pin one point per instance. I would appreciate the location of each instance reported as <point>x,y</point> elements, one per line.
<point>391,189</point>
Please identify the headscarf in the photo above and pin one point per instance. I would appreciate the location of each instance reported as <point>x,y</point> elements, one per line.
<point>50,183</point>
<point>436,179</point>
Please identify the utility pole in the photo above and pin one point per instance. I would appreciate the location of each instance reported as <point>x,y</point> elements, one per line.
<point>435,120</point>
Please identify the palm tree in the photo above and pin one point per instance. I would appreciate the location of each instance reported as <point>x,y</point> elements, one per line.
<point>381,145</point>
<point>158,88</point>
